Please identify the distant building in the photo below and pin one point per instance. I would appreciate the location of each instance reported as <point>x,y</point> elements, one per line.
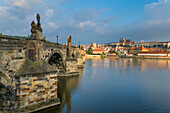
<point>122,40</point>
<point>146,44</point>
<point>98,51</point>
<point>112,55</point>
<point>168,49</point>
<point>99,45</point>
<point>127,42</point>
<point>164,44</point>
<point>136,50</point>
<point>85,47</point>
<point>154,53</point>
<point>93,45</point>
<point>123,52</point>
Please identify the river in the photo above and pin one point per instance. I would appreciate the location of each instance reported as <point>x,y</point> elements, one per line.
<point>116,86</point>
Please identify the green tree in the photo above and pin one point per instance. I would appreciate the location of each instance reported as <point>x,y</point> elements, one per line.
<point>113,51</point>
<point>0,34</point>
<point>90,51</point>
<point>121,45</point>
<point>102,55</point>
<point>154,46</point>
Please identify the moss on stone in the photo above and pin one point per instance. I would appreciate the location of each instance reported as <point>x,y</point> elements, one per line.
<point>29,67</point>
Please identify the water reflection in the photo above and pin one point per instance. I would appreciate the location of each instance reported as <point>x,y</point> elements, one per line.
<point>132,64</point>
<point>117,86</point>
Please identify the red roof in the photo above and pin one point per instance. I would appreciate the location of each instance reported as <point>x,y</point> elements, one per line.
<point>164,42</point>
<point>98,50</point>
<point>139,48</point>
<point>154,52</point>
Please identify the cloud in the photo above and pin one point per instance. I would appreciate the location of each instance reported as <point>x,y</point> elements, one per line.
<point>85,24</point>
<point>52,25</point>
<point>155,4</point>
<point>24,4</point>
<point>158,10</point>
<point>109,19</point>
<point>153,26</point>
<point>49,12</point>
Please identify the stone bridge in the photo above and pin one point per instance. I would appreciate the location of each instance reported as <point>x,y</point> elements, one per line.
<point>15,50</point>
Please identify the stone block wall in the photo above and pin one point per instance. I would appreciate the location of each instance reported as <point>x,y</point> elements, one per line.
<point>80,62</point>
<point>36,90</point>
<point>72,67</point>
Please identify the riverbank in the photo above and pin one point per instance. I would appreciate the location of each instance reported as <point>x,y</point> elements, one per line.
<point>152,57</point>
<point>133,57</point>
<point>99,57</point>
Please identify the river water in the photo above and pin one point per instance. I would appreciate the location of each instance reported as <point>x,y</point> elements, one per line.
<point>116,86</point>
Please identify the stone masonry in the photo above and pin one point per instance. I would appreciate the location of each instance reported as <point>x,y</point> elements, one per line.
<point>36,85</point>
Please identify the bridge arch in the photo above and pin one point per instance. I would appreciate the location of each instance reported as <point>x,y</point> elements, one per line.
<point>75,53</point>
<point>7,90</point>
<point>56,59</point>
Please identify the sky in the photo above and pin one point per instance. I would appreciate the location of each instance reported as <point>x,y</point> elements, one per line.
<point>99,21</point>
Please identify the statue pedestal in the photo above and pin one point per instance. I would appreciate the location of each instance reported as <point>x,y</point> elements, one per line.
<point>39,35</point>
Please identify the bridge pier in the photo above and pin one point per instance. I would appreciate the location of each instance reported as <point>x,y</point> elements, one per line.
<point>36,84</point>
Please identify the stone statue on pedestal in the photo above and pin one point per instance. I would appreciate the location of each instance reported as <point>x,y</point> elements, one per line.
<point>69,47</point>
<point>39,24</point>
<point>79,45</point>
<point>33,29</point>
<point>36,30</point>
<point>69,41</point>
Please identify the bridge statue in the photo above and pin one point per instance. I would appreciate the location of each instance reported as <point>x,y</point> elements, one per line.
<point>39,24</point>
<point>69,47</point>
<point>33,29</point>
<point>36,30</point>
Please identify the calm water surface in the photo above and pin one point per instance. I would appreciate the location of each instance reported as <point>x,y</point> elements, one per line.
<point>117,86</point>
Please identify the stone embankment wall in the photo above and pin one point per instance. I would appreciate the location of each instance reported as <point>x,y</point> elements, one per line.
<point>93,57</point>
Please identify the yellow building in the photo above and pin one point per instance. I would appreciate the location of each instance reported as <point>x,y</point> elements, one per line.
<point>136,50</point>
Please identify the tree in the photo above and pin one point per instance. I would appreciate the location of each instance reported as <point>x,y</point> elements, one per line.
<point>102,55</point>
<point>121,45</point>
<point>90,51</point>
<point>0,34</point>
<point>154,46</point>
<point>113,51</point>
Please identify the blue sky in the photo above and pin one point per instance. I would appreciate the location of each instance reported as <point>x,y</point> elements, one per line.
<point>99,21</point>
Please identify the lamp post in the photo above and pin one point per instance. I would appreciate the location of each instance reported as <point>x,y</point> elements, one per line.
<point>57,38</point>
